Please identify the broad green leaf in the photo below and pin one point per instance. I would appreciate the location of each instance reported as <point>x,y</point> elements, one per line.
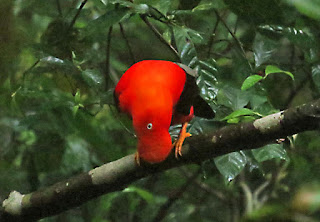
<point>209,5</point>
<point>164,6</point>
<point>270,32</point>
<point>270,151</point>
<point>51,64</point>
<point>233,98</point>
<point>310,8</point>
<point>76,157</point>
<point>316,75</point>
<point>167,35</point>
<point>207,81</point>
<point>203,7</point>
<point>250,81</point>
<point>274,69</point>
<point>239,119</point>
<point>230,165</point>
<point>146,195</point>
<point>185,46</point>
<point>241,112</point>
<point>300,37</point>
<point>195,36</point>
<point>93,78</point>
<point>97,29</point>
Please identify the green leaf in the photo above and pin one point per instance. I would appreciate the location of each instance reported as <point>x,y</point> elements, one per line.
<point>167,35</point>
<point>230,165</point>
<point>93,78</point>
<point>316,75</point>
<point>274,69</point>
<point>77,97</point>
<point>207,81</point>
<point>97,29</point>
<point>270,151</point>
<point>28,137</point>
<point>233,98</point>
<point>250,81</point>
<point>146,195</point>
<point>51,64</point>
<point>241,112</point>
<point>203,7</point>
<point>300,37</point>
<point>76,156</point>
<point>310,8</point>
<point>75,110</point>
<point>185,46</point>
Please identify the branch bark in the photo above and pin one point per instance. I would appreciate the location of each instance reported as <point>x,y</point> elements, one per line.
<point>118,174</point>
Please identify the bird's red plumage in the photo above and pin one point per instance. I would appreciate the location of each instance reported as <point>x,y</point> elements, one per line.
<point>148,91</point>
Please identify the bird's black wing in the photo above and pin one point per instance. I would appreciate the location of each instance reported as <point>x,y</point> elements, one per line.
<point>190,96</point>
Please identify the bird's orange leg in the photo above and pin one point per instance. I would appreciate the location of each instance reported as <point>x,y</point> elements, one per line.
<point>137,158</point>
<point>182,136</point>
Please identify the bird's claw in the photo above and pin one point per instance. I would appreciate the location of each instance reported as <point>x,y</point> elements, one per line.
<point>179,142</point>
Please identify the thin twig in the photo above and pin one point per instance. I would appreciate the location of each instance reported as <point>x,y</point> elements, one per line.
<point>29,69</point>
<point>212,36</point>
<point>127,42</point>
<point>160,37</point>
<point>248,197</point>
<point>107,77</point>
<point>256,201</point>
<point>234,37</point>
<point>77,14</point>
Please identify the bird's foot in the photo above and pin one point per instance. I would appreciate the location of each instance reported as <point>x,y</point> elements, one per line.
<point>179,142</point>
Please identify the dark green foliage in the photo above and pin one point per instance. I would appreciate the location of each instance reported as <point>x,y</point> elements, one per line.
<point>57,117</point>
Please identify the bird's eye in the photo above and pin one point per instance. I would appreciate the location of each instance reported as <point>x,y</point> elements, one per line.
<point>149,126</point>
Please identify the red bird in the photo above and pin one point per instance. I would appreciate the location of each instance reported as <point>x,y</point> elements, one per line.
<point>157,94</point>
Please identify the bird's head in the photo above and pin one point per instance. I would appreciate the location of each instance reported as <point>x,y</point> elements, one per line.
<point>154,141</point>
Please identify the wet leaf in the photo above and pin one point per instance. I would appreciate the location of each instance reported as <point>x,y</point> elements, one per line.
<point>230,165</point>
<point>93,78</point>
<point>233,98</point>
<point>271,151</point>
<point>316,75</point>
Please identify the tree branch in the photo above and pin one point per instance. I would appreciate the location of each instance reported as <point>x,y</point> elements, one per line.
<point>118,174</point>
